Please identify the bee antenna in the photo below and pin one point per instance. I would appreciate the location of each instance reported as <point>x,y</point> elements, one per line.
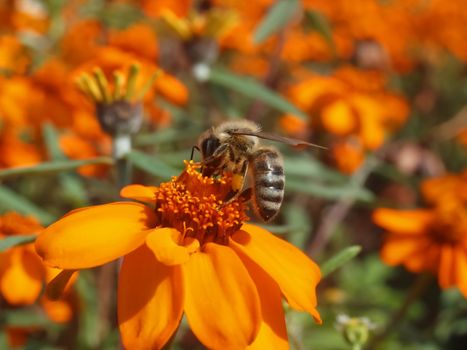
<point>193,151</point>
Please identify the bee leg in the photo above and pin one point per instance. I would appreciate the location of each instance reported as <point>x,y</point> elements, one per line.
<point>246,194</point>
<point>238,181</point>
<point>193,151</point>
<point>213,164</point>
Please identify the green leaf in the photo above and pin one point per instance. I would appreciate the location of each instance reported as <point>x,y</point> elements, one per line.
<point>4,344</point>
<point>88,318</point>
<point>253,89</point>
<point>166,136</point>
<point>12,241</point>
<point>152,165</point>
<point>329,191</point>
<point>72,187</point>
<point>52,167</point>
<point>10,200</point>
<point>278,16</point>
<point>316,21</point>
<point>309,167</point>
<point>52,144</point>
<point>26,318</point>
<point>339,259</point>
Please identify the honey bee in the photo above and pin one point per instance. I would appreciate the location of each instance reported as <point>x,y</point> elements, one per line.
<point>234,147</point>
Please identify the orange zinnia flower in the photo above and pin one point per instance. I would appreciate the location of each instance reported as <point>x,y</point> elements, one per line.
<point>21,270</point>
<point>186,251</point>
<point>432,239</point>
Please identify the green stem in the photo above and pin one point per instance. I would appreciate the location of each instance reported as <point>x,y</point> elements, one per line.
<point>121,147</point>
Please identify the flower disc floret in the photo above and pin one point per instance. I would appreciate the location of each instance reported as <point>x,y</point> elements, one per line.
<point>194,205</point>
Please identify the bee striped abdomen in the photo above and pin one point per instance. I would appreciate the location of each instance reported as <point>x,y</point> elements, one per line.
<point>269,181</point>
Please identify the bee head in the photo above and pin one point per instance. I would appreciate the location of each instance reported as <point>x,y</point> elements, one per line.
<point>208,145</point>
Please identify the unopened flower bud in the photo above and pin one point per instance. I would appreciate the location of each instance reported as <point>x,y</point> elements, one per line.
<point>120,117</point>
<point>355,330</point>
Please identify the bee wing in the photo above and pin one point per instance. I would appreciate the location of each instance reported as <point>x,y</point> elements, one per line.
<point>278,138</point>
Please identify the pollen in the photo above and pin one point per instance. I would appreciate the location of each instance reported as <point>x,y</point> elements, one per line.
<point>195,205</point>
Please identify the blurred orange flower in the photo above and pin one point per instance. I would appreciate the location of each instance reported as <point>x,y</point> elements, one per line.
<point>198,258</point>
<point>432,239</point>
<point>354,107</point>
<point>14,57</point>
<point>22,276</point>
<point>21,270</point>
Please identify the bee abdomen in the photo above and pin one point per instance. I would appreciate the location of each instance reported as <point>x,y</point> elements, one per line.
<point>269,182</point>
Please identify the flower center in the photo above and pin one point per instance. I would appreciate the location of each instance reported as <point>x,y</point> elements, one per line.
<point>451,223</point>
<point>195,206</point>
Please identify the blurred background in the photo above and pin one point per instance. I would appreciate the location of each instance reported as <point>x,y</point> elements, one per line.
<point>381,84</point>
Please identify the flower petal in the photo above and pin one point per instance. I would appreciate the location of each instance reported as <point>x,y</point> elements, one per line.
<point>461,270</point>
<point>221,301</point>
<point>410,222</point>
<point>58,284</point>
<point>425,258</point>
<point>164,244</point>
<point>398,248</point>
<point>295,273</point>
<point>273,333</point>
<point>145,194</point>
<point>95,235</point>
<point>21,280</point>
<point>150,300</point>
<point>447,272</point>
<point>59,311</point>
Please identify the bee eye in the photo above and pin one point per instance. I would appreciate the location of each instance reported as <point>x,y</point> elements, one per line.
<point>209,146</point>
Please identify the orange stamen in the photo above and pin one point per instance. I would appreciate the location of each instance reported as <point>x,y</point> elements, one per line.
<point>194,205</point>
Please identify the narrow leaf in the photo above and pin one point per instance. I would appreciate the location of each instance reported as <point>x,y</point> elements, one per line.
<point>26,317</point>
<point>12,241</point>
<point>334,191</point>
<point>152,165</point>
<point>339,259</point>
<point>52,167</point>
<point>10,200</point>
<point>316,21</point>
<point>278,16</point>
<point>51,139</point>
<point>253,89</point>
<point>72,186</point>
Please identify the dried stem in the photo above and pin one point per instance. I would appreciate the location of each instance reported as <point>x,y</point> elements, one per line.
<point>337,212</point>
<point>417,288</point>
<point>257,108</point>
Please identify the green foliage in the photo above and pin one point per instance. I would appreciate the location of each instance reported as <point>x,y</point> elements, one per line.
<point>254,90</point>
<point>276,19</point>
<point>339,259</point>
<point>10,200</point>
<point>12,241</point>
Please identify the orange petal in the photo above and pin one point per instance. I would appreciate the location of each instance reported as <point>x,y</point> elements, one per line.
<point>461,270</point>
<point>273,333</point>
<point>95,235</point>
<point>150,300</point>
<point>21,280</point>
<point>145,194</point>
<point>295,273</point>
<point>398,248</point>
<point>164,244</point>
<point>403,221</point>
<point>221,301</point>
<point>59,311</point>
<point>59,283</point>
<point>425,258</point>
<point>447,268</point>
